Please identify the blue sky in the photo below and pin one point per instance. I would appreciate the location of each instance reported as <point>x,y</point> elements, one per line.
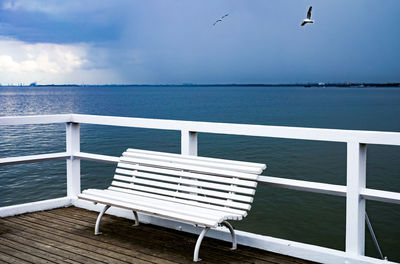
<point>173,41</point>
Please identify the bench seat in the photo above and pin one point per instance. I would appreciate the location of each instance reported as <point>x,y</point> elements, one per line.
<point>205,192</point>
<point>188,213</point>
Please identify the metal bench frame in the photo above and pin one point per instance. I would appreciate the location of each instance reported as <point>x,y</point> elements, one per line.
<point>219,190</point>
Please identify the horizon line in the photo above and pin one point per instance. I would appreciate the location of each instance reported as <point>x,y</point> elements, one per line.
<point>311,84</point>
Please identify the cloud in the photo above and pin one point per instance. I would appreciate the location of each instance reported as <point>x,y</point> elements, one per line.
<point>173,41</point>
<point>48,7</point>
<point>61,6</point>
<point>19,57</point>
<point>51,7</point>
<point>22,62</point>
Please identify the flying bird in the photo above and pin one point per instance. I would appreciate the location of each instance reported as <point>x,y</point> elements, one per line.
<point>220,19</point>
<point>308,19</point>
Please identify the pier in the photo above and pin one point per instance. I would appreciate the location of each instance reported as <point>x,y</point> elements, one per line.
<point>65,235</point>
<point>54,231</point>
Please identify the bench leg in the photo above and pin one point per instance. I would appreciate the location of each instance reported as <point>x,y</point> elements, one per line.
<point>96,228</point>
<point>229,226</point>
<point>136,218</point>
<point>198,243</point>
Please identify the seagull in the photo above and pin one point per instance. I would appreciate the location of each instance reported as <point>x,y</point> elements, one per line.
<point>308,19</point>
<point>220,19</point>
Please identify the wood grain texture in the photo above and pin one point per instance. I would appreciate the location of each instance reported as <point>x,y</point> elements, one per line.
<point>65,235</point>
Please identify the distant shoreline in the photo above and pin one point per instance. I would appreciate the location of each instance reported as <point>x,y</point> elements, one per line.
<point>347,84</point>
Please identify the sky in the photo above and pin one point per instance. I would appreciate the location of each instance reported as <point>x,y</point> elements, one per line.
<point>175,42</point>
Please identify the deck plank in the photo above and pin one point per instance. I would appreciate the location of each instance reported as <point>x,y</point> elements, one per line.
<point>214,251</point>
<point>171,246</point>
<point>6,258</point>
<point>26,246</point>
<point>111,238</point>
<point>99,252</point>
<point>215,244</point>
<point>39,242</point>
<point>27,257</point>
<point>65,235</point>
<point>216,247</point>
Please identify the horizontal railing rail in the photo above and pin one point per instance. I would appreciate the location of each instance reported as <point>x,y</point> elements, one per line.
<point>37,119</point>
<point>34,158</point>
<point>354,191</point>
<point>318,134</point>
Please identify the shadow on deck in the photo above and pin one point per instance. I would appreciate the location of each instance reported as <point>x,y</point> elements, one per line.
<point>66,236</point>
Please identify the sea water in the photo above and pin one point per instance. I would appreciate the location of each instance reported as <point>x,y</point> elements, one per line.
<point>305,217</point>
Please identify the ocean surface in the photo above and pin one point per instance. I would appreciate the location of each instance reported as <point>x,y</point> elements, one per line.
<point>305,217</point>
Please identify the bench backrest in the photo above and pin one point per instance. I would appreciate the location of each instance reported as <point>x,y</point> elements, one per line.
<point>216,183</point>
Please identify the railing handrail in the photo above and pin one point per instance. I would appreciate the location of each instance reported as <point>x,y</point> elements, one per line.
<point>302,133</point>
<point>35,119</point>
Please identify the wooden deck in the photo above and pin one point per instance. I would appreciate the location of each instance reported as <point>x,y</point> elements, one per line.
<point>66,236</point>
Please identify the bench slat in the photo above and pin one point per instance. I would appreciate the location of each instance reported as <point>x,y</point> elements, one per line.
<point>231,196</point>
<point>231,204</point>
<point>179,200</point>
<point>164,205</point>
<point>210,185</point>
<point>189,157</point>
<point>177,166</point>
<point>145,209</point>
<point>223,179</point>
<point>195,162</point>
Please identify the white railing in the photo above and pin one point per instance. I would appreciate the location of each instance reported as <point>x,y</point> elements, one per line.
<point>355,190</point>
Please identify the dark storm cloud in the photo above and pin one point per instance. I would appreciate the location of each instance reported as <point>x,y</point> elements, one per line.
<point>173,41</point>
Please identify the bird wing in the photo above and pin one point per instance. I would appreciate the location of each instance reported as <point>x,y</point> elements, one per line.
<point>309,12</point>
<point>225,16</point>
<point>217,21</point>
<point>304,22</point>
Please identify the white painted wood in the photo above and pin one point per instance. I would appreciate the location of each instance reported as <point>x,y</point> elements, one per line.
<point>195,162</point>
<point>158,177</point>
<point>155,203</point>
<point>211,200</point>
<point>34,206</point>
<point>380,196</point>
<point>138,180</point>
<point>188,157</point>
<point>36,119</point>
<point>73,164</point>
<point>200,169</point>
<point>183,201</point>
<point>96,157</point>
<point>333,135</point>
<point>148,210</point>
<point>212,178</point>
<point>355,204</point>
<point>307,186</point>
<point>174,187</point>
<point>276,245</point>
<point>331,189</point>
<point>156,184</point>
<point>188,143</point>
<point>120,212</point>
<point>33,158</point>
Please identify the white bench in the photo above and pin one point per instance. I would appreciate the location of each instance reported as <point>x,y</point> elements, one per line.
<point>205,192</point>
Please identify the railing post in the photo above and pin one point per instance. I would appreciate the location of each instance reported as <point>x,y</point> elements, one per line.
<point>188,143</point>
<point>355,204</point>
<point>73,164</point>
